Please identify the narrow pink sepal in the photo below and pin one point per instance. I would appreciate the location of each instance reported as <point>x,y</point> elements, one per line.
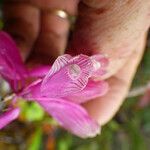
<point>71,116</point>
<point>12,68</point>
<point>94,89</point>
<point>8,117</point>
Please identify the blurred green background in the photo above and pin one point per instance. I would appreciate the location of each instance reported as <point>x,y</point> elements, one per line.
<point>128,130</point>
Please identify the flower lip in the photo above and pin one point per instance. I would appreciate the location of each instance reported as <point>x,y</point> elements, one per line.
<point>67,75</point>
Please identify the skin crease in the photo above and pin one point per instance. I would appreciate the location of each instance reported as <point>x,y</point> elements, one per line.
<point>112,27</point>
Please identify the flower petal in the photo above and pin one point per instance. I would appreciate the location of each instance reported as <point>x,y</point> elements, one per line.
<point>71,78</point>
<point>11,66</point>
<point>93,90</point>
<point>59,63</point>
<point>39,72</point>
<point>72,117</point>
<point>32,91</point>
<point>8,117</point>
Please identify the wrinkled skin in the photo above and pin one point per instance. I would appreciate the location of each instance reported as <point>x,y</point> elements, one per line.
<point>112,27</point>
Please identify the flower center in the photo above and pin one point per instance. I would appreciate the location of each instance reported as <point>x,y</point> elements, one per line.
<point>74,71</point>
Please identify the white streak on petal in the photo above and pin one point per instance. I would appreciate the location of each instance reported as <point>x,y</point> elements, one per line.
<point>74,71</point>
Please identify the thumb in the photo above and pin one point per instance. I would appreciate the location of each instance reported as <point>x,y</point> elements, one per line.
<point>110,27</point>
<point>104,108</point>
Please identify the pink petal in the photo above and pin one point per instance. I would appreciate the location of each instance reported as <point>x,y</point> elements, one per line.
<point>39,72</point>
<point>32,91</point>
<point>8,117</point>
<point>69,79</point>
<point>11,65</point>
<point>93,90</point>
<point>59,63</point>
<point>72,117</point>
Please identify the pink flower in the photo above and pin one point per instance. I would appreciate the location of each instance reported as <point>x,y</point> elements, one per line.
<point>61,91</point>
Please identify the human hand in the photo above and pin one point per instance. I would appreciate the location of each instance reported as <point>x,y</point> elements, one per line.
<point>115,28</point>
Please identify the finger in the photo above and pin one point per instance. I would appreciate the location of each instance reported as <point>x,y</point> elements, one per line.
<point>46,4</point>
<point>103,109</point>
<point>54,29</point>
<point>22,22</point>
<point>110,27</point>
